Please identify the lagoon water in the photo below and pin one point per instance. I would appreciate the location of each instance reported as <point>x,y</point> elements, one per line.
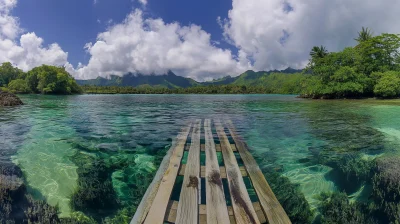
<point>129,133</point>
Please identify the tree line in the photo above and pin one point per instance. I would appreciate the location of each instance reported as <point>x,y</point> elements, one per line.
<point>275,83</point>
<point>44,79</point>
<point>370,69</point>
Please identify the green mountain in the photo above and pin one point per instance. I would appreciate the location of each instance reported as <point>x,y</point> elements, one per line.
<point>250,78</point>
<point>170,80</point>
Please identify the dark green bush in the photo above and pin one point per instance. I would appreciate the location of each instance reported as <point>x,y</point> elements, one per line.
<point>290,197</point>
<point>95,192</point>
<point>336,208</point>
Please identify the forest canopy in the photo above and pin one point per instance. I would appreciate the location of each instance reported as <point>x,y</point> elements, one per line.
<point>44,79</point>
<point>370,69</point>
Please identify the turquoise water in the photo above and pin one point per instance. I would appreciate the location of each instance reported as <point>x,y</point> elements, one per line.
<point>130,133</point>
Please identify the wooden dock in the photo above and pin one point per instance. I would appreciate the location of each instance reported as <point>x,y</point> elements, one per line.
<point>209,176</point>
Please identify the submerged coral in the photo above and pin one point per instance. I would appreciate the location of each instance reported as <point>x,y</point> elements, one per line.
<point>95,191</point>
<point>336,208</point>
<point>290,197</point>
<point>386,188</point>
<point>18,206</point>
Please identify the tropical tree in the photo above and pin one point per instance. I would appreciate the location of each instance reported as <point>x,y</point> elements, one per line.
<point>18,86</point>
<point>318,52</point>
<point>364,35</point>
<point>8,72</point>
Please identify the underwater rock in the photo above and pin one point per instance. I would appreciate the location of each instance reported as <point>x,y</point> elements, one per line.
<point>386,181</point>
<point>95,191</point>
<point>9,99</point>
<point>11,183</point>
<point>386,188</point>
<point>113,147</point>
<point>336,208</point>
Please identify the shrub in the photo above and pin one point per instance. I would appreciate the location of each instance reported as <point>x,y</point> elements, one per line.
<point>388,86</point>
<point>18,86</point>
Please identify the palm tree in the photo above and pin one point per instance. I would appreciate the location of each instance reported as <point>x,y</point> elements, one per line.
<point>364,35</point>
<point>318,52</point>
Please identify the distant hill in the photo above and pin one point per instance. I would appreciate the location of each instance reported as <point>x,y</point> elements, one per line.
<point>249,77</point>
<point>170,80</point>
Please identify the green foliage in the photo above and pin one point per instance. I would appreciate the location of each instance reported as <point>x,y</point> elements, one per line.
<point>18,86</point>
<point>388,84</point>
<point>43,79</point>
<point>265,83</point>
<point>353,72</point>
<point>9,73</point>
<point>364,35</point>
<point>51,79</point>
<point>318,52</point>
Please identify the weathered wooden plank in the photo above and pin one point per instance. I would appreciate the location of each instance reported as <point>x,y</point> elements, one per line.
<point>233,146</point>
<point>170,216</point>
<point>188,210</point>
<point>170,159</point>
<point>203,171</point>
<point>269,203</point>
<point>241,203</point>
<point>182,169</point>
<point>157,197</point>
<point>217,211</point>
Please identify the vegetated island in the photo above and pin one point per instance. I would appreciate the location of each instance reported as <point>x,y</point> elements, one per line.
<point>369,69</point>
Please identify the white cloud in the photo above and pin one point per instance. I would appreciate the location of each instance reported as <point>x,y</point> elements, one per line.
<point>29,52</point>
<point>143,2</point>
<point>152,46</point>
<point>95,2</point>
<point>280,33</point>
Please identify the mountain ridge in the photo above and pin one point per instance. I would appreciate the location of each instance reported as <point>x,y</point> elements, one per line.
<point>171,80</point>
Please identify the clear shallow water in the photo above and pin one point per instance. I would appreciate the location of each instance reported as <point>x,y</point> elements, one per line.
<point>284,133</point>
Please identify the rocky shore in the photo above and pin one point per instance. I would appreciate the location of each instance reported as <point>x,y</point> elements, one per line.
<point>9,99</point>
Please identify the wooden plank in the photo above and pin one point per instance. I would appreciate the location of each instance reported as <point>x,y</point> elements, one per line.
<point>165,166</point>
<point>171,211</point>
<point>269,203</point>
<point>182,170</point>
<point>159,197</point>
<point>233,146</point>
<point>188,210</point>
<point>259,211</point>
<point>221,170</point>
<point>241,203</point>
<point>217,211</point>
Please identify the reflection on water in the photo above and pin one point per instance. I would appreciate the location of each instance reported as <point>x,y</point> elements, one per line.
<point>299,139</point>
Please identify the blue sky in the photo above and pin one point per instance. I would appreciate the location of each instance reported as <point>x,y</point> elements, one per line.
<point>73,23</point>
<point>202,40</point>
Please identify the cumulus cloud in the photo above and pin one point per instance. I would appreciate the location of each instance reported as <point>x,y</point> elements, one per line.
<point>29,52</point>
<point>151,46</point>
<point>276,34</point>
<point>143,2</point>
